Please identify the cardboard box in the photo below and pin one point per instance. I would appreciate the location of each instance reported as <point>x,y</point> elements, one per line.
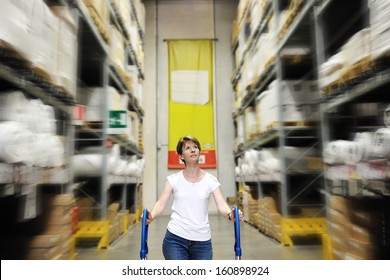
<point>43,253</point>
<point>58,229</point>
<point>341,231</point>
<point>46,241</point>
<point>59,219</point>
<point>340,204</point>
<point>338,217</point>
<point>365,218</point>
<point>364,250</point>
<point>363,234</point>
<point>61,199</point>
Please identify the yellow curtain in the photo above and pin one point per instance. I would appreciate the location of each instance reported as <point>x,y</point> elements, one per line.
<point>191,109</point>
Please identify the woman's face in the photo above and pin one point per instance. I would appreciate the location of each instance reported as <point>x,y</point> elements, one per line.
<point>190,152</point>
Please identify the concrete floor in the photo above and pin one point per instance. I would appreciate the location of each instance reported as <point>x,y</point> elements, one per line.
<point>255,245</point>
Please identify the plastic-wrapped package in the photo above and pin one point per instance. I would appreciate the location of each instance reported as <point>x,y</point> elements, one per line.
<point>386,116</point>
<point>382,143</point>
<point>16,143</point>
<point>13,106</point>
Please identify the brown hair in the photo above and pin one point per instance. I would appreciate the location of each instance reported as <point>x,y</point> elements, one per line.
<point>183,140</point>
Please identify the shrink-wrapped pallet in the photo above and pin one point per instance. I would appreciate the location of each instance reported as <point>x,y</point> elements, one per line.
<point>65,75</point>
<point>95,98</point>
<point>357,48</point>
<point>117,48</point>
<point>330,71</point>
<point>382,142</point>
<point>380,28</point>
<point>13,106</point>
<point>15,25</point>
<point>16,143</point>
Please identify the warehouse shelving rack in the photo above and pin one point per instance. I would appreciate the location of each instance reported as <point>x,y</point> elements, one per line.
<point>365,183</point>
<point>96,70</point>
<point>23,188</point>
<point>16,74</point>
<point>299,32</point>
<point>295,188</point>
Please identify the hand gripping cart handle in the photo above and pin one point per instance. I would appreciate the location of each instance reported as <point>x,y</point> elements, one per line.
<point>144,236</point>
<point>237,244</point>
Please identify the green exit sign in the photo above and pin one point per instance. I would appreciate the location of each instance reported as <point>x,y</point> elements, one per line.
<point>117,119</point>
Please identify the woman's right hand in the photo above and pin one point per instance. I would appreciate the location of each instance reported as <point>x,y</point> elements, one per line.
<point>149,219</point>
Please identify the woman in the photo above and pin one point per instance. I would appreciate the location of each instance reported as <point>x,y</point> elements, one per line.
<point>188,235</point>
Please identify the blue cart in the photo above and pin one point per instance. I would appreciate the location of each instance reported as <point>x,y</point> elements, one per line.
<point>144,235</point>
<point>237,243</point>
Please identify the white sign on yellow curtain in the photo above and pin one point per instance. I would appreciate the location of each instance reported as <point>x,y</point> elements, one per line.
<point>191,109</point>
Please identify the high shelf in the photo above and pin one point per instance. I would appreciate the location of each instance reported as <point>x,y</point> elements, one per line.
<point>108,158</point>
<point>353,103</point>
<point>36,114</point>
<point>310,116</point>
<point>71,75</point>
<point>276,116</point>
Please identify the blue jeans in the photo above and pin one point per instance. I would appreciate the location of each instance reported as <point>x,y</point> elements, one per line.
<point>177,248</point>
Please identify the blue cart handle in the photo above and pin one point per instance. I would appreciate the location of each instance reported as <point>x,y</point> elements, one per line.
<point>237,244</point>
<point>144,236</point>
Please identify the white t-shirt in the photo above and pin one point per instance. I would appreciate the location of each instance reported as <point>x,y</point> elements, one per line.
<point>189,217</point>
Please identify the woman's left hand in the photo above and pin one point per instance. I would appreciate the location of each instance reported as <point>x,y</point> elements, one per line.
<point>232,215</point>
<point>241,215</point>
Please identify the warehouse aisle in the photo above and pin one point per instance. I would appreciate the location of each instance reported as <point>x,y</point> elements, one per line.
<point>255,246</point>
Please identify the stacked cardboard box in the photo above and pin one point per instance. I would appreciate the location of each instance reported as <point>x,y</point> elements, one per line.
<point>250,197</point>
<point>270,219</point>
<point>86,205</point>
<point>132,218</point>
<point>55,242</point>
<point>353,229</point>
<point>116,219</point>
<point>99,8</point>
<point>114,226</point>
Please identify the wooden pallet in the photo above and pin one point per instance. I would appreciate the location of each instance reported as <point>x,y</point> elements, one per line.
<point>265,230</point>
<point>99,24</point>
<point>124,77</point>
<point>296,8</point>
<point>42,73</point>
<point>298,4</point>
<point>277,124</point>
<point>286,25</point>
<point>10,57</point>
<point>350,75</point>
<point>295,59</point>
<point>254,136</point>
<point>333,87</point>
<point>356,70</point>
<point>64,91</point>
<point>8,51</point>
<point>263,75</point>
<point>92,125</point>
<point>270,62</point>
